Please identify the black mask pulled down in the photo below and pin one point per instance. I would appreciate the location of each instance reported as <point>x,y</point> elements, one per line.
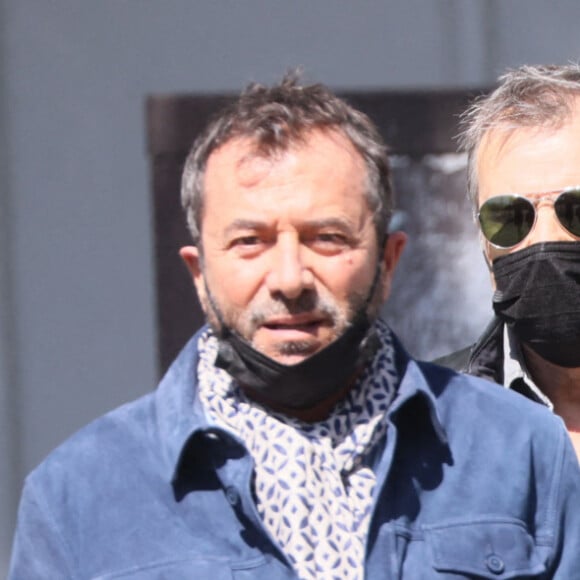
<point>310,381</point>
<point>304,384</point>
<point>538,297</point>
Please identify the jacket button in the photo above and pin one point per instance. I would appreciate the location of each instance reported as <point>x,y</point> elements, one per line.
<point>495,564</point>
<point>232,495</point>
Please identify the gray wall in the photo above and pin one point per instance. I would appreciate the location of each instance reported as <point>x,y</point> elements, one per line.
<point>76,296</point>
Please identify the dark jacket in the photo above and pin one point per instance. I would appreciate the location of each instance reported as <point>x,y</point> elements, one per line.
<point>485,359</point>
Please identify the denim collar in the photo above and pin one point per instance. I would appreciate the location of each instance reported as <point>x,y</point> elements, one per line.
<point>179,411</point>
<point>414,387</point>
<point>182,422</point>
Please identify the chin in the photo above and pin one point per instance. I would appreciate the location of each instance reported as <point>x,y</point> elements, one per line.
<point>291,353</point>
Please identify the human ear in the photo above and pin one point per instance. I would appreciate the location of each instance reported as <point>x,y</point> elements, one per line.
<point>192,258</point>
<point>391,255</point>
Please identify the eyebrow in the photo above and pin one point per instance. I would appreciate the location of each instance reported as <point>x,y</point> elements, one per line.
<point>249,224</point>
<point>244,224</point>
<point>331,222</point>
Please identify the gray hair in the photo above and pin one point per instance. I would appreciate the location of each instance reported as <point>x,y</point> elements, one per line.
<point>529,96</point>
<point>275,118</point>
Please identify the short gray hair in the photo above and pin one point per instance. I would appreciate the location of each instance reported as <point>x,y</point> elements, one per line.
<point>275,118</point>
<point>530,96</point>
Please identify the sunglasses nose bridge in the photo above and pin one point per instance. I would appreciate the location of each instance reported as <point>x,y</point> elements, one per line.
<point>547,226</point>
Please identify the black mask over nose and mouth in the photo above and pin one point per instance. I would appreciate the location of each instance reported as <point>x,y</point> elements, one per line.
<point>538,297</point>
<point>310,381</point>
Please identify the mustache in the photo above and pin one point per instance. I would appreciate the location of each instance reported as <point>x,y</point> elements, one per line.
<point>307,303</point>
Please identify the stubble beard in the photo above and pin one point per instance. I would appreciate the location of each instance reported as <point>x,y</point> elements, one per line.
<point>246,323</point>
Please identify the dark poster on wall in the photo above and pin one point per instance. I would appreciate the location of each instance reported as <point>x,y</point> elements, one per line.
<point>441,293</point>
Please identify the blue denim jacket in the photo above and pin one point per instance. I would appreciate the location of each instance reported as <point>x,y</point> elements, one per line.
<point>473,481</point>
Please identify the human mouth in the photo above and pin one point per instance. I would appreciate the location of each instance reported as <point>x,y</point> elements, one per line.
<point>289,338</point>
<point>297,324</point>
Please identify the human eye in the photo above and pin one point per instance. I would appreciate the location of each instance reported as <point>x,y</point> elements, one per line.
<point>247,245</point>
<point>245,241</point>
<point>332,238</point>
<point>330,242</point>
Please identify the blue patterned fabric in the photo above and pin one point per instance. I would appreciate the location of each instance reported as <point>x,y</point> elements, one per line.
<point>313,487</point>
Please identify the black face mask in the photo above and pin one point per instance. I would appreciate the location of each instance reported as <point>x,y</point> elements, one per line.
<point>310,381</point>
<point>304,384</point>
<point>538,297</point>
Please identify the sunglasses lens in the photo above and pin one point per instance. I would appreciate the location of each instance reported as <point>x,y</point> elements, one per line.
<point>506,220</point>
<point>567,208</point>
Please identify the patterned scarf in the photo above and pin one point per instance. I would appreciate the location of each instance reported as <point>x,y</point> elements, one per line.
<point>313,489</point>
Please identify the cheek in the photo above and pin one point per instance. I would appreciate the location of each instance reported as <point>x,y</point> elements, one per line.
<point>347,275</point>
<point>235,284</point>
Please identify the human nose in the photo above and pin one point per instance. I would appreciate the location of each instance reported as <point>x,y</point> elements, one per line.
<point>289,275</point>
<point>547,227</point>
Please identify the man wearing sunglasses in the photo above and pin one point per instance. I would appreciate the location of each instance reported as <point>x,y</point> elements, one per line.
<point>523,145</point>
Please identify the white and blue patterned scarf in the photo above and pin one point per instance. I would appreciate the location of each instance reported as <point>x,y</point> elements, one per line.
<point>313,489</point>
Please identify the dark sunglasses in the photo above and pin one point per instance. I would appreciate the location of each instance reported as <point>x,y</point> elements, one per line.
<point>506,220</point>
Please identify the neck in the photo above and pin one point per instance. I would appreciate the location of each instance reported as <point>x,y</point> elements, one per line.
<point>562,386</point>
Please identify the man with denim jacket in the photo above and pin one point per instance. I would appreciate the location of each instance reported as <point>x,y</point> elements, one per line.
<point>523,144</point>
<point>293,437</point>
